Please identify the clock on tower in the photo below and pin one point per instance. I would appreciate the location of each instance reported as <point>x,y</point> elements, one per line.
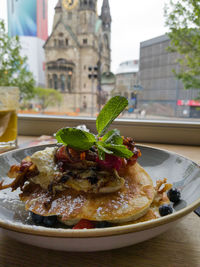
<point>69,4</point>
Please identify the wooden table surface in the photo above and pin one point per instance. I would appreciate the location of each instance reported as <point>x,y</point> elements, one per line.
<point>178,247</point>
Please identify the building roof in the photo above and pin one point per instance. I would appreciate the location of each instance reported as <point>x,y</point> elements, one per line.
<point>156,40</point>
<point>130,66</point>
<point>105,12</point>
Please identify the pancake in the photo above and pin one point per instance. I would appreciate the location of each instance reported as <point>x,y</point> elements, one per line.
<point>129,203</point>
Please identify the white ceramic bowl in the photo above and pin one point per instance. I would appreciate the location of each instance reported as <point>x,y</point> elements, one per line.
<point>181,172</point>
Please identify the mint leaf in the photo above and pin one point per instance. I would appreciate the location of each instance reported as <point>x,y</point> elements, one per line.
<point>102,150</point>
<point>102,147</point>
<point>110,111</point>
<point>101,154</point>
<point>119,150</point>
<point>113,137</point>
<point>76,138</point>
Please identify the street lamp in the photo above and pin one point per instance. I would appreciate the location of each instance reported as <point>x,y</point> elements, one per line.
<point>93,74</point>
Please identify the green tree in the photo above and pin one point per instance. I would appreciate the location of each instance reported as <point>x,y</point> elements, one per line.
<point>47,97</point>
<point>13,67</point>
<point>183,19</point>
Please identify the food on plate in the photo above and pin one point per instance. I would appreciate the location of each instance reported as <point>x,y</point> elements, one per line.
<point>90,181</point>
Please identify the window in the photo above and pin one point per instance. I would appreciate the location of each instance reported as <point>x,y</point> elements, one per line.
<point>90,3</point>
<point>55,81</point>
<point>69,81</point>
<point>144,74</point>
<point>62,82</point>
<point>61,43</point>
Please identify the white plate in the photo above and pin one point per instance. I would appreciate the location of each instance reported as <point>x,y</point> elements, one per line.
<point>182,172</point>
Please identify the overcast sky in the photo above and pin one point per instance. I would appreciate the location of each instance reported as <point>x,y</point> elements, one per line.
<point>133,21</point>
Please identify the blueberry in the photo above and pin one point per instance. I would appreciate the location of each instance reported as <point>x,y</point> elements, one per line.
<point>174,195</point>
<point>103,224</point>
<point>165,209</point>
<point>50,221</point>
<point>37,219</point>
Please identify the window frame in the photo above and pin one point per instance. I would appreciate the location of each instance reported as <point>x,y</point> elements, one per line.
<point>146,131</point>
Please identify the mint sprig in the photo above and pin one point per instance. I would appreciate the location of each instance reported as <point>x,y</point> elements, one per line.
<point>109,113</point>
<point>110,143</point>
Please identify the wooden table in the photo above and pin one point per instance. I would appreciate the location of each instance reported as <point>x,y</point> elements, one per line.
<point>178,247</point>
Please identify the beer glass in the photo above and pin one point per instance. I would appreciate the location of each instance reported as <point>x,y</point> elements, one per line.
<point>9,102</point>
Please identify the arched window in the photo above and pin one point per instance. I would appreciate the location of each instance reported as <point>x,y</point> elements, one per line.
<point>62,82</point>
<point>61,43</point>
<point>69,81</point>
<point>55,81</point>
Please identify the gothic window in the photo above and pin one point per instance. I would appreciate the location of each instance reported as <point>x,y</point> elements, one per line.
<point>90,3</point>
<point>62,82</point>
<point>60,43</point>
<point>55,42</point>
<point>69,81</point>
<point>55,81</point>
<point>85,2</point>
<point>85,41</point>
<point>66,42</point>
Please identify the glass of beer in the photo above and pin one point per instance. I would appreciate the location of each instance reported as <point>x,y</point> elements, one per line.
<point>9,102</point>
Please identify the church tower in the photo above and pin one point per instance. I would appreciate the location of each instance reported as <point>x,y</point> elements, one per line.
<point>80,39</point>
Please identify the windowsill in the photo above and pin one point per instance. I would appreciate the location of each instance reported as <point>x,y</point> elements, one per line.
<point>166,132</point>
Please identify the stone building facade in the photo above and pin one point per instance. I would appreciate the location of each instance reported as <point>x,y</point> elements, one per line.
<point>78,51</point>
<point>161,90</point>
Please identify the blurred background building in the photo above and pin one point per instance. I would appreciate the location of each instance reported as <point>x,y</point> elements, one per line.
<point>29,20</point>
<point>163,94</point>
<point>127,82</point>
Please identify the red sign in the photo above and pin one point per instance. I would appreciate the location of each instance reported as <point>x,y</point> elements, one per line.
<point>193,103</point>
